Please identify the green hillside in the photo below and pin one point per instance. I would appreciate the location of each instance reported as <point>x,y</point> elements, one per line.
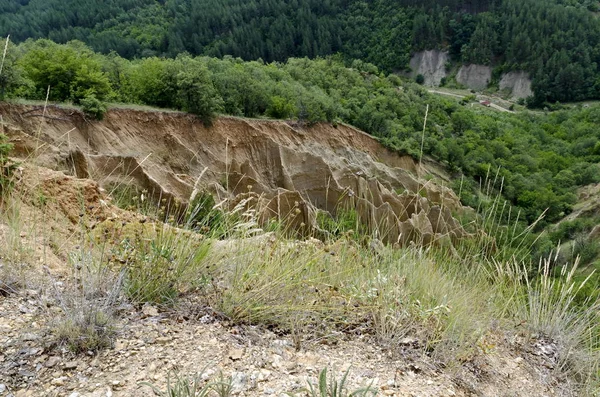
<point>536,159</point>
<point>557,41</point>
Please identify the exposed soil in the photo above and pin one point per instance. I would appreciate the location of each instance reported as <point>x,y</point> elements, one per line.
<point>173,156</point>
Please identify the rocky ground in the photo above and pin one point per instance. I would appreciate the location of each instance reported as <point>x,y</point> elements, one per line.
<point>152,345</point>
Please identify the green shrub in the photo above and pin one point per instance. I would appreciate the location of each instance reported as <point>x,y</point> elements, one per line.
<point>202,215</point>
<point>332,387</point>
<point>160,265</point>
<point>93,107</point>
<point>280,108</point>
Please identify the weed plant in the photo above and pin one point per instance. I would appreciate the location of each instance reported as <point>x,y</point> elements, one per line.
<point>330,386</point>
<point>87,320</point>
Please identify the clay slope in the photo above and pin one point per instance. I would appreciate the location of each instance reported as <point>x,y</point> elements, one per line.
<point>279,166</point>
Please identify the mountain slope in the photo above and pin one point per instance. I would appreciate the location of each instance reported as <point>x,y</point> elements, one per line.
<point>556,43</point>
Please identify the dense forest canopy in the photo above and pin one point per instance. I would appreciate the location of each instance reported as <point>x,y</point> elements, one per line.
<point>557,41</point>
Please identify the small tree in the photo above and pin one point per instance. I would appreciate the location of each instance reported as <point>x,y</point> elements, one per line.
<point>280,108</point>
<point>420,79</point>
<point>197,94</point>
<point>93,106</point>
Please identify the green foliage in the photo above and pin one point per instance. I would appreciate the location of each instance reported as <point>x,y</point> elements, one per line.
<point>12,81</point>
<point>568,230</point>
<point>157,267</point>
<point>93,106</point>
<point>280,108</point>
<point>555,41</point>
<point>196,93</point>
<point>71,71</point>
<point>420,79</point>
<point>332,387</point>
<point>345,222</point>
<point>203,216</point>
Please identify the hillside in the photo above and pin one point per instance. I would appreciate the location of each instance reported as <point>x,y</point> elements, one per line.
<point>536,160</point>
<point>555,42</point>
<point>118,284</point>
<point>172,155</point>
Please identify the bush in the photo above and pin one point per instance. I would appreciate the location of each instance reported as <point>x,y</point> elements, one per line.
<point>280,108</point>
<point>93,107</point>
<point>7,168</point>
<point>420,79</point>
<point>197,94</point>
<point>87,322</point>
<point>202,215</point>
<point>159,264</point>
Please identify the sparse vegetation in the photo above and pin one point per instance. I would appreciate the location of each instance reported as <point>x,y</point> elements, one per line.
<point>87,322</point>
<point>330,386</point>
<point>310,290</point>
<point>159,261</point>
<point>182,386</point>
<point>7,167</point>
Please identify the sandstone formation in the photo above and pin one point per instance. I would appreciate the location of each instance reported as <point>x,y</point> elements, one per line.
<point>282,170</point>
<point>475,77</point>
<point>517,83</point>
<point>431,64</point>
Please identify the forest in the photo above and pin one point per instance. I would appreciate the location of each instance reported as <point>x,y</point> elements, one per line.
<point>535,159</point>
<point>556,41</point>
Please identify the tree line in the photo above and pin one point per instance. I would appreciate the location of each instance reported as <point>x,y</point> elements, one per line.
<point>557,41</point>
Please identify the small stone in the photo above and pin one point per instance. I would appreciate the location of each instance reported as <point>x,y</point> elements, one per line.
<point>408,341</point>
<point>236,354</point>
<point>120,345</point>
<point>52,361</point>
<point>519,360</point>
<point>71,365</point>
<point>26,374</point>
<point>74,394</point>
<point>163,340</point>
<point>150,310</point>
<point>29,337</point>
<point>238,380</point>
<point>58,381</point>
<point>2,388</point>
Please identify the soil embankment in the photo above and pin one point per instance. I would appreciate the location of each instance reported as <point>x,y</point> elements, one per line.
<point>276,164</point>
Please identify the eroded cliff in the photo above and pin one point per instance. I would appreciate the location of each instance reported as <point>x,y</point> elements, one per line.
<point>277,166</point>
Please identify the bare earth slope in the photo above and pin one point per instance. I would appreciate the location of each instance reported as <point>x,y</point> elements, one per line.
<point>275,162</point>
